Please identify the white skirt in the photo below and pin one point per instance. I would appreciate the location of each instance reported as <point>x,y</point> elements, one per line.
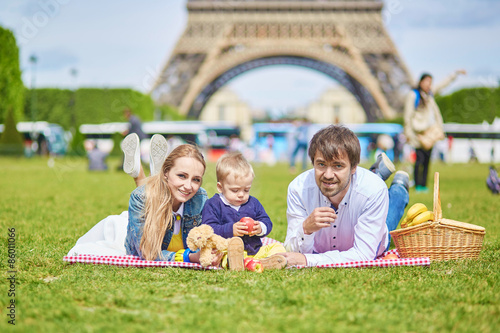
<point>106,238</point>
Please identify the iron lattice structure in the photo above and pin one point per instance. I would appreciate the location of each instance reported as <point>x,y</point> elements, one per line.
<point>345,40</point>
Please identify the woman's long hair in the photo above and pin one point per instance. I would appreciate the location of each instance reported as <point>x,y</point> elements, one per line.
<point>419,89</point>
<point>159,201</point>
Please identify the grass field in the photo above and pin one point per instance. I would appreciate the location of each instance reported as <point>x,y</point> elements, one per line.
<point>50,208</point>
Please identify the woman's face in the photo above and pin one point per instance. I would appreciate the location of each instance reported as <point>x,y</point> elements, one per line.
<point>184,179</point>
<point>426,84</point>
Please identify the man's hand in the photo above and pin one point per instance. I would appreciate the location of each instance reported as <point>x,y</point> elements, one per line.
<point>294,258</point>
<point>239,229</point>
<point>321,217</point>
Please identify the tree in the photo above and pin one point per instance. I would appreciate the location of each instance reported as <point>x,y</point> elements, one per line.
<point>11,142</point>
<point>11,85</point>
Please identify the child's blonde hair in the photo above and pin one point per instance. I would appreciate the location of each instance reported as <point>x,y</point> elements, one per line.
<point>233,164</point>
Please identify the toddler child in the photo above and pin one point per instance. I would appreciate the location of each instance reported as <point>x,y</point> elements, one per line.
<point>225,209</point>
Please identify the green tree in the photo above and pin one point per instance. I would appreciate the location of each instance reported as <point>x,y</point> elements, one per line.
<point>11,142</point>
<point>11,85</point>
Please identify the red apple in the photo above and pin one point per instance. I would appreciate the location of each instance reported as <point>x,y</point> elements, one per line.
<point>249,222</point>
<point>391,256</point>
<point>253,265</point>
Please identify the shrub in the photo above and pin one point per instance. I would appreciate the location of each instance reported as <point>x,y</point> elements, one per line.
<point>117,139</point>
<point>470,105</point>
<point>11,142</point>
<point>76,146</point>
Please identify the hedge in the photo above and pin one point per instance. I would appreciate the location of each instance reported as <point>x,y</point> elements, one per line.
<point>470,105</point>
<point>88,105</point>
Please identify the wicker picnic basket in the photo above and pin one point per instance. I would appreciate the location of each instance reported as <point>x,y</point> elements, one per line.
<point>442,239</point>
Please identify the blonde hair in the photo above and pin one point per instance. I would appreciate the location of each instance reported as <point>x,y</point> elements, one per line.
<point>158,209</point>
<point>233,163</point>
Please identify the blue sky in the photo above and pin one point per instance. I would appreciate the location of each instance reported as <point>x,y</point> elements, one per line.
<point>124,43</point>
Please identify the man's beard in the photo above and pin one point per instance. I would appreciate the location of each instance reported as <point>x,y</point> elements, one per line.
<point>329,193</point>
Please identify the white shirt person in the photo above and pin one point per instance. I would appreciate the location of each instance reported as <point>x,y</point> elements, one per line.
<point>338,212</point>
<point>359,231</point>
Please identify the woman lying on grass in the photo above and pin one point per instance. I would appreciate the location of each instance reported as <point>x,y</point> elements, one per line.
<point>168,204</point>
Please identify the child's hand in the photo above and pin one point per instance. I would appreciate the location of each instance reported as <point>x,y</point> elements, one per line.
<point>257,229</point>
<point>217,258</point>
<point>239,229</point>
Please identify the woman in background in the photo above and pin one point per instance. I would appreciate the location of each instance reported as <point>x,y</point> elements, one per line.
<point>424,124</point>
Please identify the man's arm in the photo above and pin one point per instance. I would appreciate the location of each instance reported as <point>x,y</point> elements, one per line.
<point>369,235</point>
<point>301,225</point>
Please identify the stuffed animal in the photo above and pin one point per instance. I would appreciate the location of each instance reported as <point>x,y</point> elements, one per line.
<point>203,238</point>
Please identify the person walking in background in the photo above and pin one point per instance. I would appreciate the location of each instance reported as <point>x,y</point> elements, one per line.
<point>301,136</point>
<point>135,126</point>
<point>423,124</point>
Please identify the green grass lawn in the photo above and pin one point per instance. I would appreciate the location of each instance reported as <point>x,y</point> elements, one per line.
<point>50,208</point>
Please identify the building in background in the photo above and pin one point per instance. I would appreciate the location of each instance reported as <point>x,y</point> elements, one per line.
<point>225,105</point>
<point>335,106</point>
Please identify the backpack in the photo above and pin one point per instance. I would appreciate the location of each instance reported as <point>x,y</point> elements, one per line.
<point>493,182</point>
<point>417,99</point>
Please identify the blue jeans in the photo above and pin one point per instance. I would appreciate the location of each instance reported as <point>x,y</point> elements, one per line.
<point>398,200</point>
<point>300,145</point>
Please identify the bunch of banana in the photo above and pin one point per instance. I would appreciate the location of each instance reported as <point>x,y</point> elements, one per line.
<point>417,214</point>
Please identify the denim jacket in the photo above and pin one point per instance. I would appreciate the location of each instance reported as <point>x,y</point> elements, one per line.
<point>136,219</point>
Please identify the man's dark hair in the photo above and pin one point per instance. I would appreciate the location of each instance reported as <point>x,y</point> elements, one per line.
<point>333,141</point>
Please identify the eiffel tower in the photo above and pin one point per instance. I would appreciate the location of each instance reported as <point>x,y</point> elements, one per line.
<point>344,39</point>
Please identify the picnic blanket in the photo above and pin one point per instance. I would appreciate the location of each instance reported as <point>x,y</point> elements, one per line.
<point>129,260</point>
<point>104,245</point>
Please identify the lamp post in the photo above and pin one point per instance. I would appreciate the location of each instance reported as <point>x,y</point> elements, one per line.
<point>74,74</point>
<point>33,61</point>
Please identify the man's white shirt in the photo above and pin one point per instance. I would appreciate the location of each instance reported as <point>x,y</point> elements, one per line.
<point>359,232</point>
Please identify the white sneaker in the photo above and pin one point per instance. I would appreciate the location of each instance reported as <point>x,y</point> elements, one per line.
<point>157,153</point>
<point>132,150</point>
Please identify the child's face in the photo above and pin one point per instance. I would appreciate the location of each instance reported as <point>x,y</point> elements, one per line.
<point>236,190</point>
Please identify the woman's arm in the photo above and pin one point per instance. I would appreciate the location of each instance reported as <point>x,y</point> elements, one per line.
<point>449,79</point>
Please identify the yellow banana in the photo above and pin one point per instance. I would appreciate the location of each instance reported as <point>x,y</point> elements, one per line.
<point>421,218</point>
<point>404,223</point>
<point>414,210</point>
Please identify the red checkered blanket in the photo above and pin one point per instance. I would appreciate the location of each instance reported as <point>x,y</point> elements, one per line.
<point>134,261</point>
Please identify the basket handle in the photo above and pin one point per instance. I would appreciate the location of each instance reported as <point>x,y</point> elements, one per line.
<point>438,212</point>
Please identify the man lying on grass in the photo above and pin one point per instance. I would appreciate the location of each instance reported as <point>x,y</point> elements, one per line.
<point>340,212</point>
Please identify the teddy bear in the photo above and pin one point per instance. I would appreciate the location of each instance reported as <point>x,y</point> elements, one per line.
<point>204,238</point>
